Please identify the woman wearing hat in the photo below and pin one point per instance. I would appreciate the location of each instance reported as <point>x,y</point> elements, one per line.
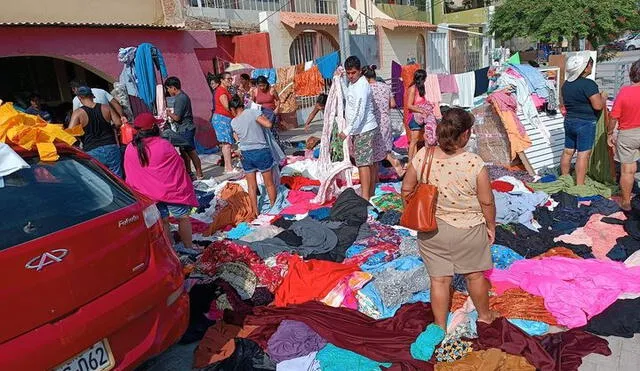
<point>156,170</point>
<point>583,103</point>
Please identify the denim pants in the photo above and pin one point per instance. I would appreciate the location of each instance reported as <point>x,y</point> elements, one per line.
<point>110,157</point>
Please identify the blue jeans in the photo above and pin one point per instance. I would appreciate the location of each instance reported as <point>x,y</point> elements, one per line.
<point>110,157</point>
<point>579,134</point>
<point>257,160</point>
<point>174,210</point>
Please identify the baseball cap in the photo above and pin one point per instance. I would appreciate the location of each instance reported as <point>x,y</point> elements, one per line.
<point>145,121</point>
<point>84,91</point>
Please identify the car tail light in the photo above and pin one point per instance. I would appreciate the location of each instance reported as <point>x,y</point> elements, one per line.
<point>151,216</point>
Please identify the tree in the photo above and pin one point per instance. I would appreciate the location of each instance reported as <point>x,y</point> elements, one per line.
<point>598,21</point>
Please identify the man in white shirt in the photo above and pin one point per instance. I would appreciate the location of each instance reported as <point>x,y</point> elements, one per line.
<point>100,96</point>
<point>362,127</point>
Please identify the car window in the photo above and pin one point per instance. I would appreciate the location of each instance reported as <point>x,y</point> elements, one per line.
<point>51,196</point>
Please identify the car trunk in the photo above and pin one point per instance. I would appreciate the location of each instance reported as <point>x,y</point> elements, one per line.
<point>82,234</point>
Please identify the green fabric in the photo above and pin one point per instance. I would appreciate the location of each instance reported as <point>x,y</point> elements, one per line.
<point>332,358</point>
<point>337,153</point>
<point>427,342</point>
<point>388,202</point>
<point>515,59</point>
<point>600,164</point>
<point>567,184</point>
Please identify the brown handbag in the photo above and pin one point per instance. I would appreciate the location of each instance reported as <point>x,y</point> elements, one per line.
<point>420,207</point>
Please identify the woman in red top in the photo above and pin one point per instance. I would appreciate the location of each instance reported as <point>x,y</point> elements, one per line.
<point>221,119</point>
<point>626,116</point>
<point>266,96</point>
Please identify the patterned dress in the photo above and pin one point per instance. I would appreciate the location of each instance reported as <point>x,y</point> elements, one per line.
<point>381,97</point>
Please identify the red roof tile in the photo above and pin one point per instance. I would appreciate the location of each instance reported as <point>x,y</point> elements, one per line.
<point>392,24</point>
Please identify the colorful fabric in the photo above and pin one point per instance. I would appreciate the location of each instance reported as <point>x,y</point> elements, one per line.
<point>333,358</point>
<point>567,184</point>
<point>598,235</point>
<point>309,83</point>
<point>327,64</point>
<point>310,280</point>
<point>269,73</point>
<point>503,256</point>
<point>222,126</point>
<point>388,201</point>
<point>381,93</point>
<point>573,290</point>
<point>344,294</point>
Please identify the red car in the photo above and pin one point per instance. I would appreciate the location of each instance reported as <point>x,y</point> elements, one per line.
<point>89,280</point>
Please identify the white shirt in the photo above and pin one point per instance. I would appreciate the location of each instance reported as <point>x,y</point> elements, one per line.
<point>358,110</point>
<point>100,96</point>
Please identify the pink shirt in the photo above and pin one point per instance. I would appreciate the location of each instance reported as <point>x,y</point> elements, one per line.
<point>165,179</point>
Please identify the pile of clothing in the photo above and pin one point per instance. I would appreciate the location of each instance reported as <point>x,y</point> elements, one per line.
<point>342,286</point>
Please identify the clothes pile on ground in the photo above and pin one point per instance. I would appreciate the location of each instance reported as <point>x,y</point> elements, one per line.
<point>340,285</point>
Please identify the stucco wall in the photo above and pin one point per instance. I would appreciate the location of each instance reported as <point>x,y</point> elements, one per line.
<point>464,17</point>
<point>96,49</point>
<point>85,11</point>
<point>397,45</point>
<point>281,37</point>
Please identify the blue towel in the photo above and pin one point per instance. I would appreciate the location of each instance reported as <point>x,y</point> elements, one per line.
<point>146,72</point>
<point>269,73</point>
<point>328,64</point>
<point>535,80</point>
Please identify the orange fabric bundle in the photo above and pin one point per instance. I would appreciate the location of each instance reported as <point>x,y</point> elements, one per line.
<point>238,209</point>
<point>513,303</point>
<point>32,132</point>
<point>218,343</point>
<point>310,280</point>
<point>309,83</point>
<point>559,251</point>
<point>483,360</point>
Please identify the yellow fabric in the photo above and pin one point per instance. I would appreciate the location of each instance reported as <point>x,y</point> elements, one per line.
<point>32,132</point>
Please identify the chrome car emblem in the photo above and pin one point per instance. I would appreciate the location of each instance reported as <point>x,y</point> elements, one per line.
<point>127,221</point>
<point>50,257</point>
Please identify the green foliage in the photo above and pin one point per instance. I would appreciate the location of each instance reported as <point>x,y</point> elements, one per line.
<point>599,21</point>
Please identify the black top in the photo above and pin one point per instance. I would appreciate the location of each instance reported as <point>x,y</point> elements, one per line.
<point>98,131</point>
<point>575,96</point>
<point>182,108</point>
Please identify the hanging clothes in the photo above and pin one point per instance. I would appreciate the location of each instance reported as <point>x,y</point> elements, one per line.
<point>448,83</point>
<point>269,73</point>
<point>432,93</point>
<point>523,95</point>
<point>482,81</point>
<point>148,57</point>
<point>535,80</point>
<point>327,64</point>
<point>466,89</point>
<point>333,120</point>
<point>309,83</point>
<point>506,106</point>
<point>600,163</point>
<point>286,94</point>
<point>396,83</point>
<point>128,78</point>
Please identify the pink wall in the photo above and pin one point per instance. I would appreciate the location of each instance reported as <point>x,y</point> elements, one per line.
<point>97,49</point>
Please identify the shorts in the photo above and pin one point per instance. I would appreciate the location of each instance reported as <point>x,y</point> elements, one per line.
<point>579,134</point>
<point>449,250</point>
<point>628,146</point>
<point>414,126</point>
<point>257,160</point>
<point>174,210</point>
<point>222,126</point>
<point>110,156</point>
<point>189,136</point>
<point>364,147</point>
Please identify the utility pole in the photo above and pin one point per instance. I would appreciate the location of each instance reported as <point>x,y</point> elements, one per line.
<point>343,30</point>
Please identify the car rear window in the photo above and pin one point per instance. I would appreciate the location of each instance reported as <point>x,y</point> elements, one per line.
<point>51,196</point>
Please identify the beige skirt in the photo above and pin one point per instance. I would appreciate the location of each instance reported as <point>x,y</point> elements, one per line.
<point>450,250</point>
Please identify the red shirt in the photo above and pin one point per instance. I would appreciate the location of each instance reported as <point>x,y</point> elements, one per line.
<point>626,108</point>
<point>220,109</point>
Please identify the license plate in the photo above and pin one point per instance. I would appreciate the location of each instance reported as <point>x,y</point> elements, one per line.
<point>96,358</point>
